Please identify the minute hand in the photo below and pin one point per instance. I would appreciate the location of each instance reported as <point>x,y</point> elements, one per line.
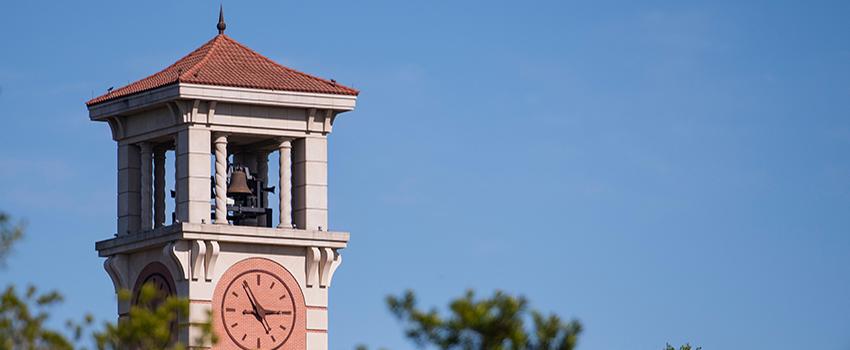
<point>254,304</point>
<point>258,309</point>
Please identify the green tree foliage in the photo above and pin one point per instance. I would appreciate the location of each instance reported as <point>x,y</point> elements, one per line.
<point>683,347</point>
<point>495,323</point>
<point>9,234</point>
<point>151,323</point>
<point>22,321</point>
<point>501,322</point>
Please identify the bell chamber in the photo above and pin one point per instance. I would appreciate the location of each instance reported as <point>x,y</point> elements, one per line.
<point>247,202</point>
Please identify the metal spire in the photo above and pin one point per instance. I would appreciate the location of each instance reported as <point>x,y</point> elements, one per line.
<point>221,25</point>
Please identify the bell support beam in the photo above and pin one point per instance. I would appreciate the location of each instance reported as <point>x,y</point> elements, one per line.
<point>262,158</point>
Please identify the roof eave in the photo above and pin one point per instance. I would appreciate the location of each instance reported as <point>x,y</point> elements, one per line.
<point>149,98</point>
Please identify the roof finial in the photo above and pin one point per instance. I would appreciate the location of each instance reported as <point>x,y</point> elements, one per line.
<point>221,25</point>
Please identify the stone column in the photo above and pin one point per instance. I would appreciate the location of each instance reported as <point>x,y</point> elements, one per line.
<point>159,187</point>
<point>221,179</point>
<point>192,170</point>
<point>285,196</point>
<point>128,189</point>
<point>145,193</point>
<point>310,183</point>
<point>262,158</point>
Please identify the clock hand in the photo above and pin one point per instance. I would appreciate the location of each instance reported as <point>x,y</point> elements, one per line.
<point>250,295</point>
<point>258,309</point>
<point>277,312</point>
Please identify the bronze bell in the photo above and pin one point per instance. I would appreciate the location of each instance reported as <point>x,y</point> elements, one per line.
<point>238,183</point>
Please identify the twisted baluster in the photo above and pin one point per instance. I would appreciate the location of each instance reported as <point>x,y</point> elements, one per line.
<point>221,180</point>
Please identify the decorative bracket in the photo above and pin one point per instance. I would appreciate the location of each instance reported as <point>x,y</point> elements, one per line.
<point>321,265</point>
<point>326,124</point>
<point>194,115</point>
<point>311,117</point>
<point>199,253</point>
<point>331,259</point>
<point>179,112</point>
<point>116,125</point>
<point>118,269</point>
<point>179,255</point>
<point>335,265</point>
<point>313,258</point>
<point>211,111</point>
<point>210,259</point>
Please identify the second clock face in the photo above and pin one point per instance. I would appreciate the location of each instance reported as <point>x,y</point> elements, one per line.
<point>156,275</point>
<point>258,310</point>
<point>160,284</point>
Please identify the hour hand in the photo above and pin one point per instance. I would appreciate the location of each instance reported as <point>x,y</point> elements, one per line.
<point>277,312</point>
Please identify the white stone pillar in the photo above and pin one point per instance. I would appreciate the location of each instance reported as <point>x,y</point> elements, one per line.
<point>221,179</point>
<point>285,172</point>
<point>128,189</point>
<point>159,187</point>
<point>192,160</point>
<point>145,193</point>
<point>310,183</point>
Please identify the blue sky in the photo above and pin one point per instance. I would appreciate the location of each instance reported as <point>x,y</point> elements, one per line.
<point>662,171</point>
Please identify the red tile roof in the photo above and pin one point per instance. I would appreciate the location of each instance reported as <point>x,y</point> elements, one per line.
<point>224,62</point>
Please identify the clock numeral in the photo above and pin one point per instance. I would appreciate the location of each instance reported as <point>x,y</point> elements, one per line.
<point>258,280</point>
<point>234,325</point>
<point>258,343</point>
<point>234,294</point>
<point>230,309</point>
<point>272,286</point>
<point>273,339</point>
<point>281,297</point>
<point>244,336</point>
<point>282,327</point>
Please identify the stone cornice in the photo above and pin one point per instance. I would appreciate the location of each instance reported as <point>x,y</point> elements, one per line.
<point>162,95</point>
<point>223,234</point>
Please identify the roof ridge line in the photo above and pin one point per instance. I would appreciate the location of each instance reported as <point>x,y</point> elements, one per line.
<point>327,81</point>
<point>203,60</point>
<point>161,71</point>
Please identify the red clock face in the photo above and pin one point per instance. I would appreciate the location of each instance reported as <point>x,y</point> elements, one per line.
<point>257,310</point>
<point>260,306</point>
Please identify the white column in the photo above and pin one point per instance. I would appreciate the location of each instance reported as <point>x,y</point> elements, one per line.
<point>310,183</point>
<point>128,189</point>
<point>159,187</point>
<point>145,193</point>
<point>221,179</point>
<point>285,196</point>
<point>192,160</point>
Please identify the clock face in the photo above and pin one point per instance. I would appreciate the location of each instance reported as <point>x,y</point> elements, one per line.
<point>157,276</point>
<point>260,306</point>
<point>257,310</point>
<point>160,284</point>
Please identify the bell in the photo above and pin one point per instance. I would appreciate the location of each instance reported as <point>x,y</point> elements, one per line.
<point>238,183</point>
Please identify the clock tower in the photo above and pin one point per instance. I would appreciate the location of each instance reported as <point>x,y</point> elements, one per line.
<point>244,233</point>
